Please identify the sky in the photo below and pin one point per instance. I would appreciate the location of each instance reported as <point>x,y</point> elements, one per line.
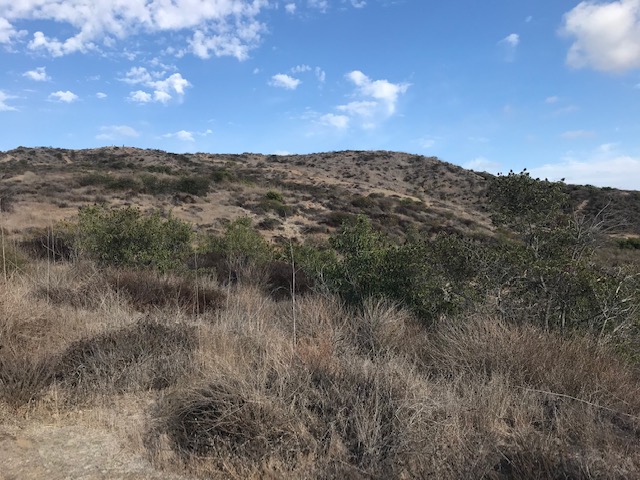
<point>548,85</point>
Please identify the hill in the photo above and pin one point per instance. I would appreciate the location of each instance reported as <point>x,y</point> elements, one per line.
<point>355,315</point>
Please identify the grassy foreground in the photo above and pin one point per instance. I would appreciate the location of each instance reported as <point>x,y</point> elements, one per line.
<point>225,382</point>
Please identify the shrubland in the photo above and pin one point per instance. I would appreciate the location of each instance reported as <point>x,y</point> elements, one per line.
<point>513,355</point>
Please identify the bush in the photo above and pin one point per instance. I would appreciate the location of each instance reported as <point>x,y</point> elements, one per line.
<point>194,185</point>
<point>274,195</point>
<point>125,237</point>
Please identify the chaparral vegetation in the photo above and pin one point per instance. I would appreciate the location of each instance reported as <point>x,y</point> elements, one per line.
<point>321,330</point>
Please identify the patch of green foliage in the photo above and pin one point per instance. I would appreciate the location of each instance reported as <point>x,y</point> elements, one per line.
<point>242,243</point>
<point>631,243</point>
<point>125,237</point>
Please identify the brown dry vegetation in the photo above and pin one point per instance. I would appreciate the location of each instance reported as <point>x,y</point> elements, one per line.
<point>258,389</point>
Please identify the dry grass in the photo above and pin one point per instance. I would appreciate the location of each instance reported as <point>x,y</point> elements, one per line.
<point>231,393</point>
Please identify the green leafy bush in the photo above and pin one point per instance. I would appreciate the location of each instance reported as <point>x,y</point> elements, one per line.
<point>126,237</point>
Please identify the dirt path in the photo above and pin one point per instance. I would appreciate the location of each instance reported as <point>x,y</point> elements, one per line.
<point>70,452</point>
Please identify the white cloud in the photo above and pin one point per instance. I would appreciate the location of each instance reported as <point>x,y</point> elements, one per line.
<point>8,32</point>
<point>319,4</point>
<point>482,164</point>
<point>606,36</point>
<point>382,90</point>
<point>65,97</point>
<point>222,27</point>
<point>551,100</point>
<point>337,121</point>
<point>38,74</point>
<point>301,69</point>
<point>186,135</point>
<point>512,39</point>
<point>576,134</point>
<point>112,132</point>
<point>363,108</point>
<point>602,169</point>
<point>376,100</point>
<point>183,135</point>
<point>3,103</point>
<point>510,46</point>
<point>283,80</point>
<point>320,74</point>
<point>101,95</point>
<point>140,97</point>
<point>290,8</point>
<point>163,90</point>
<point>358,3</point>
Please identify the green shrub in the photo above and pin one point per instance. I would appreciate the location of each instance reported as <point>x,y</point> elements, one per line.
<point>242,242</point>
<point>194,185</point>
<point>274,195</point>
<point>126,237</point>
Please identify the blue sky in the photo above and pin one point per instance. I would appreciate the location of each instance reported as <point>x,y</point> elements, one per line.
<point>492,85</point>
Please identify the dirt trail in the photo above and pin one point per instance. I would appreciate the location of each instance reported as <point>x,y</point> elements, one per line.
<point>70,452</point>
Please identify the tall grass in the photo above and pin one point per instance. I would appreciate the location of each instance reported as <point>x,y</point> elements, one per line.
<point>224,392</point>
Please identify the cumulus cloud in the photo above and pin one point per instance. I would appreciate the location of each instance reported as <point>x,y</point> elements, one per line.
<point>551,100</point>
<point>383,91</point>
<point>3,102</point>
<point>374,101</point>
<point>8,32</point>
<point>221,28</point>
<point>113,132</point>
<point>38,74</point>
<point>282,80</point>
<point>290,8</point>
<point>65,97</point>
<point>606,36</point>
<point>101,95</point>
<point>602,169</point>
<point>163,90</point>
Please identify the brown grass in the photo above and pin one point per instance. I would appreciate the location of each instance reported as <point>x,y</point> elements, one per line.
<point>231,393</point>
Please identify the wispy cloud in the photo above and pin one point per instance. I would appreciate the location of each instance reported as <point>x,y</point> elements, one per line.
<point>336,121</point>
<point>606,166</point>
<point>64,97</point>
<point>606,35</point>
<point>576,134</point>
<point>113,132</point>
<point>482,164</point>
<point>509,45</point>
<point>186,135</point>
<point>38,74</point>
<point>3,102</point>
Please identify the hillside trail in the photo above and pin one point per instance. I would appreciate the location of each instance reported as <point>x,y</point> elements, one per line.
<point>51,452</point>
